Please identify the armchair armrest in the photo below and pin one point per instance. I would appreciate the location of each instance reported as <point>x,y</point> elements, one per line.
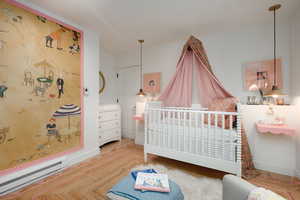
<point>235,188</point>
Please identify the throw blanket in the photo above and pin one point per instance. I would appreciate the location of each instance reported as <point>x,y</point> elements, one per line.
<point>125,189</point>
<point>263,194</point>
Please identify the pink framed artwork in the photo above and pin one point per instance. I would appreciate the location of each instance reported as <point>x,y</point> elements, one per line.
<point>260,75</point>
<point>152,82</point>
<point>41,87</point>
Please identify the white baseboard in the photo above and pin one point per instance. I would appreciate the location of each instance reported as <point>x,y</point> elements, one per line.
<point>275,169</point>
<point>128,133</point>
<point>297,174</point>
<point>81,156</point>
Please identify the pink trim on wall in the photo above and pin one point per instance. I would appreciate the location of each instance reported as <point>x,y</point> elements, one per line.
<point>35,162</point>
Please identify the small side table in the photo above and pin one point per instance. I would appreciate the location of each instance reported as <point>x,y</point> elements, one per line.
<point>282,129</point>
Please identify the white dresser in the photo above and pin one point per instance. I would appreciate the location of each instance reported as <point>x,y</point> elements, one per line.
<point>109,120</point>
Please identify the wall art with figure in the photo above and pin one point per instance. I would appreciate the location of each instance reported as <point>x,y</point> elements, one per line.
<point>40,87</point>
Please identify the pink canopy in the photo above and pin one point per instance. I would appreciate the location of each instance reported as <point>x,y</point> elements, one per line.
<point>179,91</point>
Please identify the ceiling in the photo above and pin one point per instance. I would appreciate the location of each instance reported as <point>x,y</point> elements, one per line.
<point>120,23</point>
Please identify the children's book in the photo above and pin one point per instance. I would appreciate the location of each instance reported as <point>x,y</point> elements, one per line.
<point>152,182</point>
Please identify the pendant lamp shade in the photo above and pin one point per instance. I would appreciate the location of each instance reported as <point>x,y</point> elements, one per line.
<point>141,92</point>
<point>275,92</point>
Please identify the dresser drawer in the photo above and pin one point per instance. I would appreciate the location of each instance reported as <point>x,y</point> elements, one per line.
<point>109,125</point>
<point>107,116</point>
<point>108,134</point>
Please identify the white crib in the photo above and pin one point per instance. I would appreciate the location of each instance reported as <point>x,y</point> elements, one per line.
<point>194,136</point>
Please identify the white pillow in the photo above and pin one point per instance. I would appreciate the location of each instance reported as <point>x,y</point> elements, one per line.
<point>264,194</point>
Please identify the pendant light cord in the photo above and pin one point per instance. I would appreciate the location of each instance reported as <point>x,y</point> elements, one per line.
<point>275,75</point>
<point>141,65</point>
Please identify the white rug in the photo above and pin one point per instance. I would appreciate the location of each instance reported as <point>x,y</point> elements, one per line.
<point>193,187</point>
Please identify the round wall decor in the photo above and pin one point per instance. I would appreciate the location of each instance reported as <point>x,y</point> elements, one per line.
<point>102,82</point>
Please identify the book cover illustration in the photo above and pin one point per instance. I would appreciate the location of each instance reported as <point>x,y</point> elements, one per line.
<point>152,182</point>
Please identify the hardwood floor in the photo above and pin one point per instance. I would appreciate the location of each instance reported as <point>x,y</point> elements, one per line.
<point>90,180</point>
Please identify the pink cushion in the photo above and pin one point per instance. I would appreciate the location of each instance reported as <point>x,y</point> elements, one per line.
<point>222,105</point>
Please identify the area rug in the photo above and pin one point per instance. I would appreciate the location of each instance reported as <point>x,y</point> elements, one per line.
<point>192,186</point>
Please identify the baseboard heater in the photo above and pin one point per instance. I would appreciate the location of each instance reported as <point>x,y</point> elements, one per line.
<point>14,182</point>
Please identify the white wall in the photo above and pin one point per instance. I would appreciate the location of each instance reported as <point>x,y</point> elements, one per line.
<point>275,153</point>
<point>227,52</point>
<point>107,67</point>
<point>91,81</point>
<point>295,74</point>
<point>128,87</point>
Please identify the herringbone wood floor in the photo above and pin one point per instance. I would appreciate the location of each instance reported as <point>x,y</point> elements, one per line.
<point>91,179</point>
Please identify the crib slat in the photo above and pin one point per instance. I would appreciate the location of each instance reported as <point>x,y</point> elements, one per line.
<point>223,133</point>
<point>239,145</point>
<point>184,131</point>
<point>231,138</point>
<point>169,130</point>
<point>178,130</point>
<point>162,144</point>
<point>197,127</point>
<point>230,122</point>
<point>147,126</point>
<point>202,133</point>
<point>173,131</point>
<point>190,132</point>
<point>215,142</point>
<point>209,135</point>
<point>160,127</point>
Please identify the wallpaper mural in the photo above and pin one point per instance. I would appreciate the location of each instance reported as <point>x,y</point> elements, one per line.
<point>40,96</point>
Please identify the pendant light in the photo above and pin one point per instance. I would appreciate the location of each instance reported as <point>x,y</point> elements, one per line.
<point>141,92</point>
<point>275,92</point>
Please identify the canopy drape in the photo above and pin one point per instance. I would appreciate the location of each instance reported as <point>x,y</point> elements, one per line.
<point>178,93</point>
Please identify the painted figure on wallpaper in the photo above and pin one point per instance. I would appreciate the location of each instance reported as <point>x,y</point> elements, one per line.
<point>3,134</point>
<point>74,49</point>
<point>12,15</point>
<point>3,89</point>
<point>29,87</point>
<point>2,44</point>
<point>52,130</point>
<point>60,86</point>
<point>55,36</point>
<point>42,19</point>
<point>28,79</point>
<point>76,36</point>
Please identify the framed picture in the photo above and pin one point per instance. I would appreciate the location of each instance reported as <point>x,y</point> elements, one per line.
<point>152,82</point>
<point>260,75</point>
